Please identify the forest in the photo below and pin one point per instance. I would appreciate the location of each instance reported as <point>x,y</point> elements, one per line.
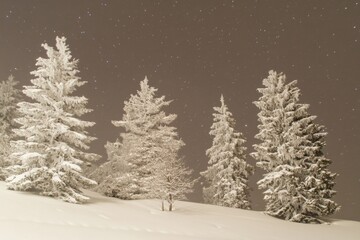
<point>45,146</point>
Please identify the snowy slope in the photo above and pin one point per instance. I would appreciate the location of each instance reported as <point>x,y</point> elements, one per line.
<point>27,216</point>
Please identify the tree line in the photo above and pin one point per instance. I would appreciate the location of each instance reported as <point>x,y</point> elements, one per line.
<point>45,146</point>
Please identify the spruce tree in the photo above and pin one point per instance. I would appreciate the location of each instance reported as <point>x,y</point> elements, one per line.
<point>112,176</point>
<point>150,149</point>
<point>9,97</point>
<point>227,173</point>
<point>51,151</point>
<point>298,184</point>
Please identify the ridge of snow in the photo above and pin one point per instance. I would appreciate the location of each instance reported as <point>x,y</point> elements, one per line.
<point>28,216</point>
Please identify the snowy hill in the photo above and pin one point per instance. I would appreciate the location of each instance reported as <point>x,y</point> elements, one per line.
<point>28,216</point>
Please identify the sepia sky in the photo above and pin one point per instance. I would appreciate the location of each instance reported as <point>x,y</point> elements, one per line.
<point>195,50</point>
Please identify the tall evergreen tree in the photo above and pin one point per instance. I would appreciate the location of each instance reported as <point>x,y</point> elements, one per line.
<point>298,185</point>
<point>50,154</point>
<point>149,147</point>
<point>228,173</point>
<point>9,97</point>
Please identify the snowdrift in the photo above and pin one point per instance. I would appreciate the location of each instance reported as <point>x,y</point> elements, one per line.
<point>25,216</point>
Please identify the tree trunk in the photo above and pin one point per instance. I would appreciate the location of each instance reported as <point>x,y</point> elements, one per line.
<point>171,201</point>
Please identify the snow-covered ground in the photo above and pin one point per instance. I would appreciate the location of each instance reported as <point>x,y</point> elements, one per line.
<point>27,216</point>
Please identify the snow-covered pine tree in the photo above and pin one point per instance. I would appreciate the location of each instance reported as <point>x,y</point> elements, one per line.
<point>149,146</point>
<point>112,176</point>
<point>298,185</point>
<point>9,97</point>
<point>227,175</point>
<point>50,155</point>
